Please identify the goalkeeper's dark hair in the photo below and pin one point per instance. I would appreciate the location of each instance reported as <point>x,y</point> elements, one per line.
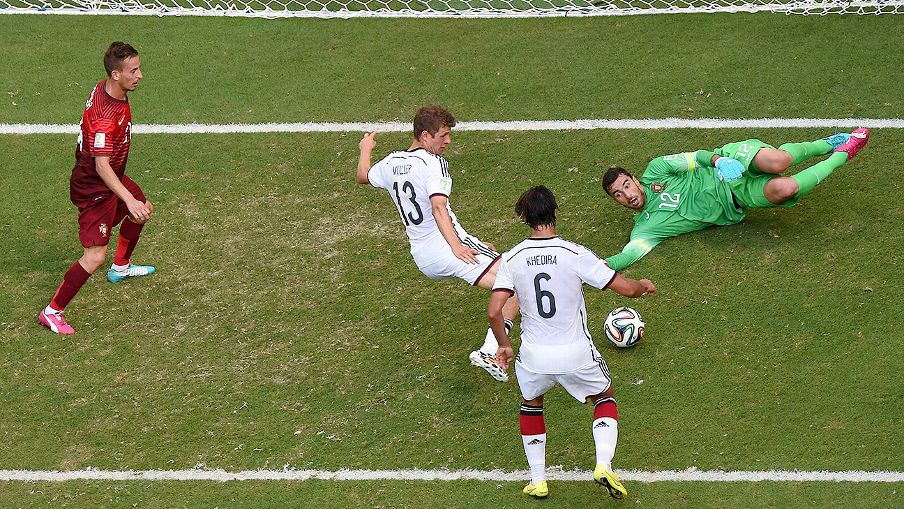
<point>537,207</point>
<point>432,118</point>
<point>116,54</point>
<point>611,176</point>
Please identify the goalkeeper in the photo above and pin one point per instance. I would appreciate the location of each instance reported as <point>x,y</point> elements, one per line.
<point>681,193</point>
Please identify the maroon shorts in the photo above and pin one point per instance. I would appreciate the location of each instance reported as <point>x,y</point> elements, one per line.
<point>97,220</point>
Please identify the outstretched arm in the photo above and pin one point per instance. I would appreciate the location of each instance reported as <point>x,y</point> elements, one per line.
<point>633,251</point>
<point>627,287</point>
<point>366,147</point>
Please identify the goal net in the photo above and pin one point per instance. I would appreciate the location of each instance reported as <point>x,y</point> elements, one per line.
<point>441,8</point>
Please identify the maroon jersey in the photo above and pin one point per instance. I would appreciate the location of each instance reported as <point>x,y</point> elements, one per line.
<point>106,130</point>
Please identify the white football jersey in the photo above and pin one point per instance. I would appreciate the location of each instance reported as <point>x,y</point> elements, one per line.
<point>411,177</point>
<point>547,275</point>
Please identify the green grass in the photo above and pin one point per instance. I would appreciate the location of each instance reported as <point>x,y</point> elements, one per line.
<point>281,311</point>
<point>241,70</point>
<point>288,326</point>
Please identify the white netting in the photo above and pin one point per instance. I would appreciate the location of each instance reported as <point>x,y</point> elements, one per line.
<point>441,8</point>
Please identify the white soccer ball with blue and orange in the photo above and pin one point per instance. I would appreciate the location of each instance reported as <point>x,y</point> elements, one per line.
<point>624,327</point>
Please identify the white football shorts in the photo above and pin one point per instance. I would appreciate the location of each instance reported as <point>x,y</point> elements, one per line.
<point>584,382</point>
<point>436,261</point>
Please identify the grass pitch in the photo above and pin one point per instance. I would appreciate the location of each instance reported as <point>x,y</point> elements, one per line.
<point>288,326</point>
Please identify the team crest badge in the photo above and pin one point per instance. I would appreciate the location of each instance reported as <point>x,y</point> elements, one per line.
<point>103,229</point>
<point>657,187</point>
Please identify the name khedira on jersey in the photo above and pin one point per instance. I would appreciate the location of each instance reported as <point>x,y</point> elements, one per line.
<point>541,260</point>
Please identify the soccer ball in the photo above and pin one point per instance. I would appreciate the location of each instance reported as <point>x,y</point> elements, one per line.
<point>624,327</point>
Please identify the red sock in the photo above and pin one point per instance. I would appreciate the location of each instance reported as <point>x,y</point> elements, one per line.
<point>605,407</point>
<point>128,237</point>
<point>72,282</point>
<point>532,422</point>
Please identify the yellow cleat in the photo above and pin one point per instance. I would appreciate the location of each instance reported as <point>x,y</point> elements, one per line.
<point>610,481</point>
<point>539,490</point>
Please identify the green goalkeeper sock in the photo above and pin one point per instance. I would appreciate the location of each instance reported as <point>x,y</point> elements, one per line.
<point>809,178</point>
<point>800,152</point>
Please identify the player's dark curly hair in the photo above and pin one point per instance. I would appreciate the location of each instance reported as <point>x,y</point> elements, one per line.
<point>432,118</point>
<point>611,175</point>
<point>116,53</point>
<point>537,207</point>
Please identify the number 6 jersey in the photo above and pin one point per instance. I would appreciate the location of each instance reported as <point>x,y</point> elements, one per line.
<point>548,275</point>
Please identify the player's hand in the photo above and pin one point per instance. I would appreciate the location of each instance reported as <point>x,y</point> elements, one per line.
<point>368,142</point>
<point>729,169</point>
<point>649,287</point>
<point>465,253</point>
<point>139,210</point>
<point>504,356</point>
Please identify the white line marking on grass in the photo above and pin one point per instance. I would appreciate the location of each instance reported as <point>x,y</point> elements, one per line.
<point>554,473</point>
<point>514,125</point>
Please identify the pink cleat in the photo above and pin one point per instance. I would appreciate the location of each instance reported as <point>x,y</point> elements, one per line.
<point>857,141</point>
<point>55,322</point>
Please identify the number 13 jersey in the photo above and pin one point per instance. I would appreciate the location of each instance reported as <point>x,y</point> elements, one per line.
<point>412,177</point>
<point>548,274</point>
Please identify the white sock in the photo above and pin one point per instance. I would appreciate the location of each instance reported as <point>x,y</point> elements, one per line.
<point>535,450</point>
<point>119,268</point>
<point>490,345</point>
<point>605,436</point>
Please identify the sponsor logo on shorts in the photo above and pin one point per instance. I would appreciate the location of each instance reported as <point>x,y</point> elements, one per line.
<point>103,230</point>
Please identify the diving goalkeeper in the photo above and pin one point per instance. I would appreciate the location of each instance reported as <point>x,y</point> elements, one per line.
<point>681,193</point>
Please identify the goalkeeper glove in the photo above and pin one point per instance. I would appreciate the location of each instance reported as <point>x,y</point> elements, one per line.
<point>729,169</point>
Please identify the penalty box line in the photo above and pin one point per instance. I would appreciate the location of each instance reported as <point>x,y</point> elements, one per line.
<point>515,125</point>
<point>556,474</point>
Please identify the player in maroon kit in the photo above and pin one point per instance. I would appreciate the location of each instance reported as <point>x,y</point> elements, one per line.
<point>104,195</point>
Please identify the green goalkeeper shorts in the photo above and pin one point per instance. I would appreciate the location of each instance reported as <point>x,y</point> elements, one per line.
<point>749,191</point>
<point>743,151</point>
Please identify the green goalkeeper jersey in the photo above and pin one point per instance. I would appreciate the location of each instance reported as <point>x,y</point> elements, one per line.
<point>684,194</point>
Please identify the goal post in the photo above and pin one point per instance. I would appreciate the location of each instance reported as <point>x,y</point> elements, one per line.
<point>441,8</point>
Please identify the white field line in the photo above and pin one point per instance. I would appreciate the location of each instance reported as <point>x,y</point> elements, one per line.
<point>554,473</point>
<point>515,125</point>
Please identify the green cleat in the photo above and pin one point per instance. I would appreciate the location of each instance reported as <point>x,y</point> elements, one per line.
<point>539,490</point>
<point>610,481</point>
